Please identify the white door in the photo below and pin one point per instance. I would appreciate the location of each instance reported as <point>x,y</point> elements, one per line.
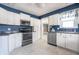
<point>4,45</point>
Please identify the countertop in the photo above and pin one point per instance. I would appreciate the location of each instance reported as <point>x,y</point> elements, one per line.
<point>8,33</point>
<point>64,32</point>
<point>12,32</point>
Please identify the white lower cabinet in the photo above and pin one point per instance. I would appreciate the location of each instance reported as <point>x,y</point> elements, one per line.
<point>72,42</point>
<point>69,41</point>
<point>60,40</point>
<point>11,42</point>
<point>15,41</point>
<point>4,48</point>
<point>18,40</point>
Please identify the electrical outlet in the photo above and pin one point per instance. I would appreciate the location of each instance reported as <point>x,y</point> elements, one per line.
<point>9,29</point>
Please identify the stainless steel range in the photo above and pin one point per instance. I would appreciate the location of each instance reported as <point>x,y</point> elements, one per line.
<point>27,38</point>
<point>26,30</point>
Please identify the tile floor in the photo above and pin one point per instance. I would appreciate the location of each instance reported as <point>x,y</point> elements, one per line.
<point>40,47</point>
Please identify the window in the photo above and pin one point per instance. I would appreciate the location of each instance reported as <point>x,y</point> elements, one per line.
<point>67,19</point>
<point>68,24</point>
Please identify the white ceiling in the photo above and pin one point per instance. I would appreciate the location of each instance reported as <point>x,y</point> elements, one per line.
<point>37,8</point>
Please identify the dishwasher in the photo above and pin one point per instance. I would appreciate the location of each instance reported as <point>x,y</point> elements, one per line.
<point>52,38</point>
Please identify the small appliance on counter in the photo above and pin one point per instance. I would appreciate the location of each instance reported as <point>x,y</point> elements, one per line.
<point>54,28</point>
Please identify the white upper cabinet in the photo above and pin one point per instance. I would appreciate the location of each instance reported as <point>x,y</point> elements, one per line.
<point>3,16</point>
<point>24,17</point>
<point>10,19</point>
<point>53,20</point>
<point>44,20</point>
<point>7,17</point>
<point>13,18</point>
<point>32,22</point>
<point>77,21</point>
<point>69,19</point>
<point>16,19</point>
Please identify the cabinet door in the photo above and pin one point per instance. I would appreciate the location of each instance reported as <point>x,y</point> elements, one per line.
<point>16,19</point>
<point>15,41</point>
<point>13,18</point>
<point>3,16</point>
<point>18,40</point>
<point>4,45</point>
<point>71,42</point>
<point>24,17</point>
<point>10,18</point>
<point>53,20</point>
<point>11,42</point>
<point>60,39</point>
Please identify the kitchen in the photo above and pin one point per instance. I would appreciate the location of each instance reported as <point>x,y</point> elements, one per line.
<point>47,29</point>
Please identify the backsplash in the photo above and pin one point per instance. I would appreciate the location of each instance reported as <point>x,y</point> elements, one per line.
<point>52,28</point>
<point>69,29</point>
<point>5,27</point>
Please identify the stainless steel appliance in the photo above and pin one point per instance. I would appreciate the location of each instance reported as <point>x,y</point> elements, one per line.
<point>52,38</point>
<point>26,30</point>
<point>52,34</point>
<point>27,38</point>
